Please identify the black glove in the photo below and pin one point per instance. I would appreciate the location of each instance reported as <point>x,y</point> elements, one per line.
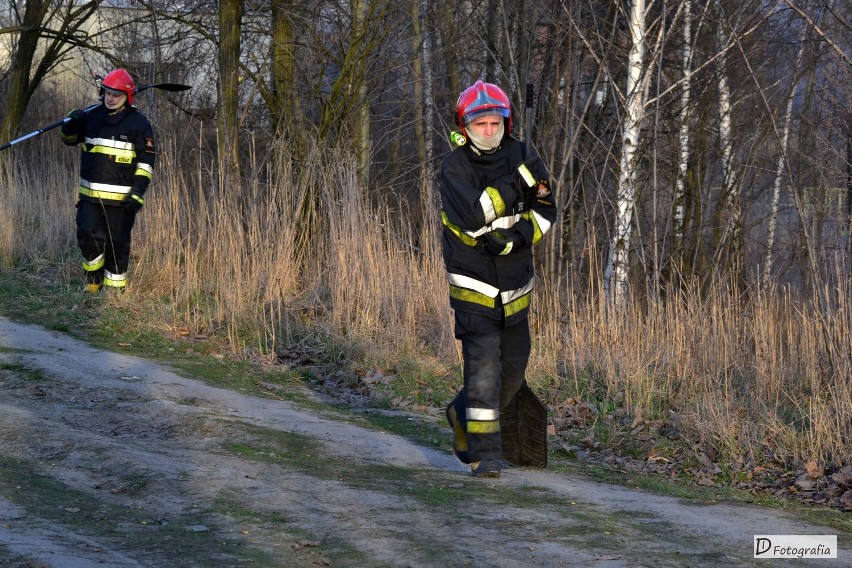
<point>76,115</point>
<point>531,180</point>
<point>500,243</point>
<point>133,201</point>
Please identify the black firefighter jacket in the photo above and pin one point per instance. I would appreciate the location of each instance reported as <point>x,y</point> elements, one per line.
<point>482,193</point>
<point>117,153</point>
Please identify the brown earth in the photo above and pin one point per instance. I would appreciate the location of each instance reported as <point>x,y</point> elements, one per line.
<point>112,460</point>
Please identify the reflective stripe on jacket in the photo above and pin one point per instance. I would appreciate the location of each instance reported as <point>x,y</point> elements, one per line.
<point>479,194</point>
<point>118,153</point>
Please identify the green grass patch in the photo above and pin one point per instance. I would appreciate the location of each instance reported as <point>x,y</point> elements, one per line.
<point>160,538</point>
<point>23,371</point>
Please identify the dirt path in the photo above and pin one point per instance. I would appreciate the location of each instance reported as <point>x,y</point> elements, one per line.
<point>130,465</point>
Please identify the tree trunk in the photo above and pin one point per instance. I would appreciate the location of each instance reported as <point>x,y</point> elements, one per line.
<point>34,56</point>
<point>728,222</point>
<point>684,141</point>
<point>616,273</point>
<point>360,11</point>
<point>849,209</point>
<point>781,169</point>
<point>447,31</point>
<point>230,26</point>
<point>283,64</point>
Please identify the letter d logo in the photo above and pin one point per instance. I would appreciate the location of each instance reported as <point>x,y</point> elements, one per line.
<point>761,545</point>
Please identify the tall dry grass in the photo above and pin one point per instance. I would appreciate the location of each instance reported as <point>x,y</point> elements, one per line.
<point>305,257</point>
<point>36,203</point>
<point>274,261</point>
<point>764,377</point>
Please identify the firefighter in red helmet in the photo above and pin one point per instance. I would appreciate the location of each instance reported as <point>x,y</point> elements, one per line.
<point>116,166</point>
<point>496,205</point>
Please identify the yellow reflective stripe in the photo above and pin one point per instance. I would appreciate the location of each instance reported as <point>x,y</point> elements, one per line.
<point>540,225</point>
<point>143,173</point>
<point>516,301</point>
<point>473,284</point>
<point>471,296</point>
<point>456,230</point>
<point>115,280</point>
<point>492,204</point>
<point>122,152</point>
<point>517,306</point>
<point>511,295</point>
<point>101,194</point>
<point>94,264</point>
<point>476,427</point>
<point>104,190</point>
<point>526,174</point>
<point>121,156</point>
<point>496,206</point>
<point>482,414</point>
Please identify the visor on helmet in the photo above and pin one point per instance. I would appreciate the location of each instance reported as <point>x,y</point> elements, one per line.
<point>473,115</point>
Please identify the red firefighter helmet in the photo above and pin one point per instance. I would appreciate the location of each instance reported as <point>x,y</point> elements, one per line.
<point>482,99</point>
<point>120,80</point>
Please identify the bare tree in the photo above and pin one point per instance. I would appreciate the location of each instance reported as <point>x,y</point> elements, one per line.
<point>228,131</point>
<point>684,141</point>
<point>638,72</point>
<point>283,55</point>
<point>781,168</point>
<point>46,32</point>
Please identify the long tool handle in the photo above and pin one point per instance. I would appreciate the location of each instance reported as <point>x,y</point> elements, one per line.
<point>171,87</point>
<point>35,133</point>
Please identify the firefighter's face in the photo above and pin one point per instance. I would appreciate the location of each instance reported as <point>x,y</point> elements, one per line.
<point>114,99</point>
<point>486,126</point>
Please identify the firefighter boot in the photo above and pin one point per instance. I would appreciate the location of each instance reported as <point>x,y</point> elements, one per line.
<point>459,435</point>
<point>485,468</point>
<point>92,288</point>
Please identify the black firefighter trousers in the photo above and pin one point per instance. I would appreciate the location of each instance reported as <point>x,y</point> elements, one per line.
<point>103,235</point>
<point>495,361</point>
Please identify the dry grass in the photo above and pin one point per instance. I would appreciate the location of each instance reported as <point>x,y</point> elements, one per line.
<point>306,256</point>
<point>766,378</point>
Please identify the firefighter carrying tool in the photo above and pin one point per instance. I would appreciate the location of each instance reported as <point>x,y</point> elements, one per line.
<point>116,166</point>
<point>496,205</point>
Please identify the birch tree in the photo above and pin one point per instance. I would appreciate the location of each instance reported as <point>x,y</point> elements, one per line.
<point>423,103</point>
<point>728,223</point>
<point>616,272</point>
<point>683,120</point>
<point>781,166</point>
